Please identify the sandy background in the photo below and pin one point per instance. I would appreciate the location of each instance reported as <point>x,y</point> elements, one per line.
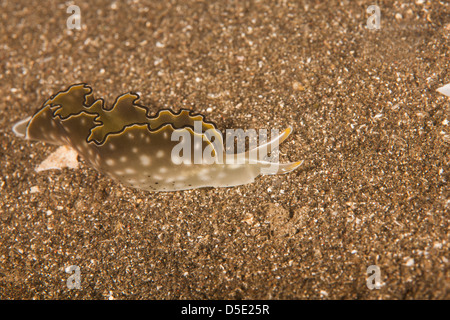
<point>367,120</point>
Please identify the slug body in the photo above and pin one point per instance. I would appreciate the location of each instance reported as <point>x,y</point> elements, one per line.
<point>127,144</point>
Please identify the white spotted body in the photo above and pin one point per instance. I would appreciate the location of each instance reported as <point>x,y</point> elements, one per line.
<point>130,146</point>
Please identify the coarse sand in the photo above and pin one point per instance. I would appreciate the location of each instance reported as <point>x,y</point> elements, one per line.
<point>372,130</point>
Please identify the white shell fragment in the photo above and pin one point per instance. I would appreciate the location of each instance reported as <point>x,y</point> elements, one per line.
<point>153,153</point>
<point>445,90</point>
<point>63,157</point>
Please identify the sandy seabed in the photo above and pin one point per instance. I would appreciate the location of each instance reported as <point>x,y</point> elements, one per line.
<point>372,131</point>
